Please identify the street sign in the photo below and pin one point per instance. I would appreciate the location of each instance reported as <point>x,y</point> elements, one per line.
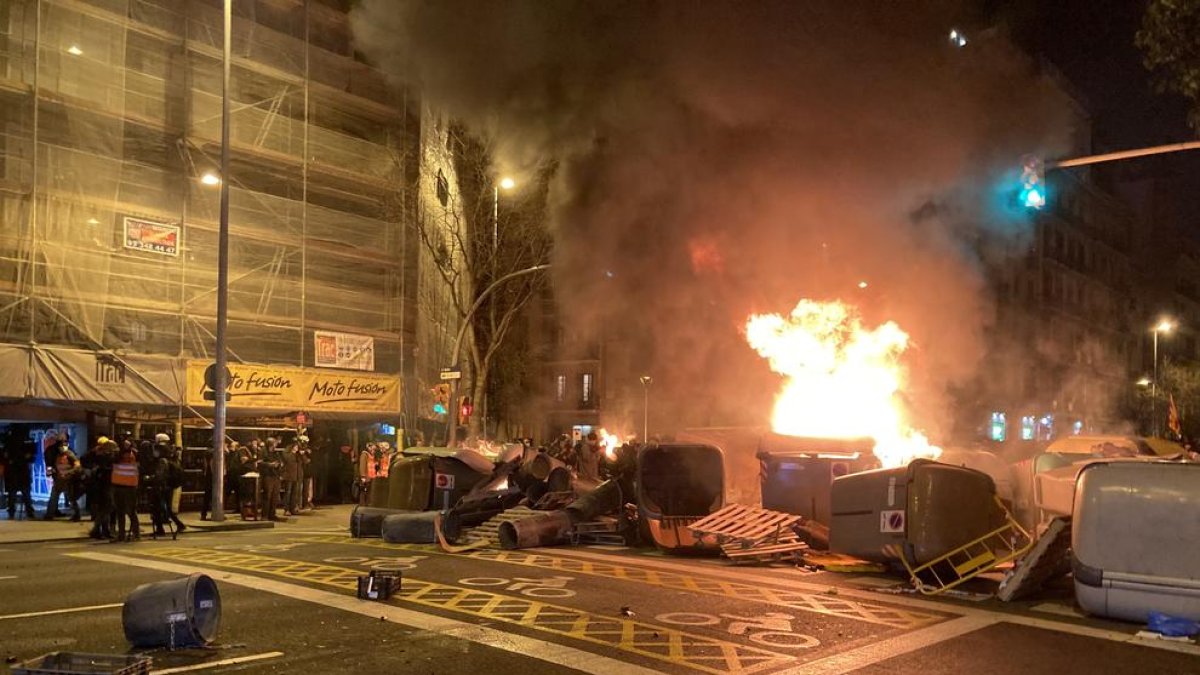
<point>443,481</point>
<point>451,374</point>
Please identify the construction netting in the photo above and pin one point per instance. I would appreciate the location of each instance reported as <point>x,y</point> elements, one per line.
<point>110,114</point>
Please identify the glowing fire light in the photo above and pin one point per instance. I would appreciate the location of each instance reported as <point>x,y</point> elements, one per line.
<point>842,378</point>
<point>610,443</point>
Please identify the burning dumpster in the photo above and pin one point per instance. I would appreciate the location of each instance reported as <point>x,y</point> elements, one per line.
<point>943,523</point>
<point>798,472</point>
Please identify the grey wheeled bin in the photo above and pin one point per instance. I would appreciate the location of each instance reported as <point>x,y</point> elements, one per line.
<point>1135,539</point>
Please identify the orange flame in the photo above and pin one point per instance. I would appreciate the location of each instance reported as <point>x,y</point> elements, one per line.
<point>610,443</point>
<point>842,379</point>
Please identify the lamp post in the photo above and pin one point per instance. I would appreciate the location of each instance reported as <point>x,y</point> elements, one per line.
<point>505,184</point>
<point>219,407</point>
<point>1163,326</point>
<point>646,381</point>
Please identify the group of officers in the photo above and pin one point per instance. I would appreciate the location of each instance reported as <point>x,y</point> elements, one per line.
<point>264,476</point>
<point>112,478</point>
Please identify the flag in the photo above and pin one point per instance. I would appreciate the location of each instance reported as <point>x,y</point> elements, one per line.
<point>1172,416</point>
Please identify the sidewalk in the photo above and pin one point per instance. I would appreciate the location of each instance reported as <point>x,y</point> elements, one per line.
<point>38,531</point>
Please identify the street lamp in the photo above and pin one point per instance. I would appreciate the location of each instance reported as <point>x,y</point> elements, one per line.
<point>220,367</point>
<point>646,381</point>
<point>505,184</point>
<point>1163,326</point>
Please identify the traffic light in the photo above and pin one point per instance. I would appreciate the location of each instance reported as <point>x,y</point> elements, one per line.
<point>210,383</point>
<point>1033,183</point>
<point>465,407</point>
<point>441,398</point>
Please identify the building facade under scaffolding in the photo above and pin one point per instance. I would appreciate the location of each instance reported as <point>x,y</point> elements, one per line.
<point>110,118</point>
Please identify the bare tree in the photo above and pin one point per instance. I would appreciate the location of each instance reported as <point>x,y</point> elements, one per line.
<point>499,232</point>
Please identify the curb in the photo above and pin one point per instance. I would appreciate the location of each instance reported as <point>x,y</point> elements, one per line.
<point>196,529</point>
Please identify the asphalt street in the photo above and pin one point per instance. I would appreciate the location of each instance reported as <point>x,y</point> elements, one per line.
<point>288,606</point>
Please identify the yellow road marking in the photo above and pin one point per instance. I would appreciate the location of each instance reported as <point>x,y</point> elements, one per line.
<point>648,640</point>
<point>819,603</point>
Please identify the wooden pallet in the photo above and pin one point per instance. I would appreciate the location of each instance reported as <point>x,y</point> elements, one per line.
<point>489,530</point>
<point>603,530</point>
<point>745,525</point>
<point>766,553</point>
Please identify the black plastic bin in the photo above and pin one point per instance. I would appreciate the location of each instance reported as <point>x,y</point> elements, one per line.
<point>180,613</point>
<point>76,663</point>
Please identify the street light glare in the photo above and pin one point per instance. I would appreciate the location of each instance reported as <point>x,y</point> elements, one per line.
<point>74,50</point>
<point>1164,326</point>
<point>210,178</point>
<point>507,183</point>
<point>862,284</point>
<point>1144,382</point>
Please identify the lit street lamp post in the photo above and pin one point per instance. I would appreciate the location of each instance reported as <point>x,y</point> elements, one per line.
<point>646,380</point>
<point>1163,326</point>
<point>506,184</point>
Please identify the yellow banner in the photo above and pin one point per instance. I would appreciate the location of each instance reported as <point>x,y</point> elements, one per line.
<point>295,389</point>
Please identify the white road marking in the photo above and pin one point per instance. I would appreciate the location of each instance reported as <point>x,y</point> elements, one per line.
<point>7,577</point>
<point>789,581</point>
<point>510,642</point>
<point>68,610</point>
<point>217,664</point>
<point>1056,608</point>
<point>891,647</point>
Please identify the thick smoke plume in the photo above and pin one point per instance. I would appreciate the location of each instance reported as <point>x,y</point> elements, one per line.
<point>714,159</point>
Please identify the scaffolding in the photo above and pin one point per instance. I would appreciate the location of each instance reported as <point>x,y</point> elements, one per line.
<point>109,124</point>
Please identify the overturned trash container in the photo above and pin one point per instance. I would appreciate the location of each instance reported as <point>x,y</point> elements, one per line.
<point>1134,540</point>
<point>544,529</point>
<point>367,521</point>
<point>944,523</point>
<point>179,613</point>
<point>419,527</point>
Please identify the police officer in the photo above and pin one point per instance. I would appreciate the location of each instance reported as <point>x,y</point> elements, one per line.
<point>18,474</point>
<point>124,479</point>
<point>270,468</point>
<point>65,469</point>
<point>97,470</point>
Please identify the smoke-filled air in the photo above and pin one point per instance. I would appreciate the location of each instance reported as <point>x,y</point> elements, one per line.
<point>717,160</point>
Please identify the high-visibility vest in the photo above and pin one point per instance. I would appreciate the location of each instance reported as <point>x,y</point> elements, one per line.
<point>371,468</point>
<point>125,473</point>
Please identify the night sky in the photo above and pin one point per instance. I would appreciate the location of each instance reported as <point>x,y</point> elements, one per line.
<point>1091,42</point>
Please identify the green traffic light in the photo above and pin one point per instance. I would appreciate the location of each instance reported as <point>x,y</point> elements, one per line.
<point>1033,197</point>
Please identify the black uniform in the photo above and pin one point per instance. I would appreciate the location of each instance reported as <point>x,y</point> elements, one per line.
<point>97,471</point>
<point>18,475</point>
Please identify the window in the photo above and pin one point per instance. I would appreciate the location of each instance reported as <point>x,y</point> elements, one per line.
<point>587,387</point>
<point>443,188</point>
<point>1027,428</point>
<point>999,426</point>
<point>560,387</point>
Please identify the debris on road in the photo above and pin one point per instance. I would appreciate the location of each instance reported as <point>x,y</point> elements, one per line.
<point>64,663</point>
<point>378,585</point>
<point>749,534</point>
<point>178,613</point>
<point>1049,559</point>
